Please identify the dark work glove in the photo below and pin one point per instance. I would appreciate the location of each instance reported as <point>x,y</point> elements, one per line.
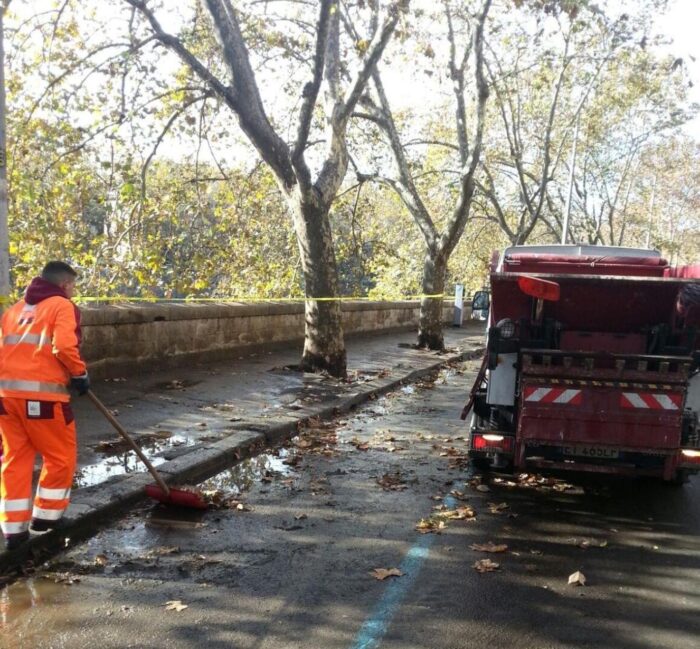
<point>81,384</point>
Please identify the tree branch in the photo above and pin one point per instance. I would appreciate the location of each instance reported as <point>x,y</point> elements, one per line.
<point>461,212</point>
<point>163,133</point>
<point>310,94</point>
<point>374,53</point>
<point>244,97</point>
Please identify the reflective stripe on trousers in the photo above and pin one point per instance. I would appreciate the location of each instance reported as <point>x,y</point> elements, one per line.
<point>32,386</point>
<point>14,528</point>
<point>47,497</point>
<point>47,514</point>
<point>15,505</point>
<point>52,494</point>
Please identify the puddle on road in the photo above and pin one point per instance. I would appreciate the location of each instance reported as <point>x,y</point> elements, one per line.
<point>127,462</point>
<point>25,595</point>
<point>243,476</point>
<point>152,527</point>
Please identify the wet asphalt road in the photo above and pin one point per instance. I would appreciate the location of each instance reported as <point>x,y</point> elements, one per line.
<point>290,567</point>
<point>169,411</point>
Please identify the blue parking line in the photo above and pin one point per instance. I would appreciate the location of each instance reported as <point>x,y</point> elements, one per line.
<point>376,626</point>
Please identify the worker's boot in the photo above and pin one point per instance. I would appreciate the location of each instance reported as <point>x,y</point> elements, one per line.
<point>40,526</point>
<point>13,541</point>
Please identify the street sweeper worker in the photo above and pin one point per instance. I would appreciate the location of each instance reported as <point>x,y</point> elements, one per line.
<point>39,361</point>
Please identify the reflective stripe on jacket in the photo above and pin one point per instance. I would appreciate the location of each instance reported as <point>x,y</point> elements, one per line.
<point>39,350</point>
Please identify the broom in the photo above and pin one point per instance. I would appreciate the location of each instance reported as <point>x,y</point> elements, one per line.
<point>161,491</point>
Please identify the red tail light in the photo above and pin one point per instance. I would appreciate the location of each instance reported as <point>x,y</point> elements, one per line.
<point>539,288</point>
<point>488,441</point>
<point>690,456</point>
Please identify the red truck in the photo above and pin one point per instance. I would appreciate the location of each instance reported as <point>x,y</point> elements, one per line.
<point>592,363</point>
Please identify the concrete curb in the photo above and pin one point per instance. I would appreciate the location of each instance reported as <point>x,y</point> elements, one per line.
<point>100,504</point>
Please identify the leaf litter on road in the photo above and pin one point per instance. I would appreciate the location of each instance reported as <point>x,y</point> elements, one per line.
<point>486,565</point>
<point>62,578</point>
<point>359,444</point>
<point>392,482</point>
<point>438,521</point>
<point>464,512</point>
<point>219,499</point>
<point>489,546</point>
<point>382,573</point>
<point>432,524</point>
<point>586,542</point>
<point>175,605</point>
<point>577,579</point>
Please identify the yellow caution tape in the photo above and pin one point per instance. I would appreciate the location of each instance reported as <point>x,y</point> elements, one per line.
<point>251,299</point>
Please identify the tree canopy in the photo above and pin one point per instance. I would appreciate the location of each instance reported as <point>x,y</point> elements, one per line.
<point>124,161</point>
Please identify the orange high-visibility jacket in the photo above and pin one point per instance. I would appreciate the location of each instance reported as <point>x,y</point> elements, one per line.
<point>40,340</point>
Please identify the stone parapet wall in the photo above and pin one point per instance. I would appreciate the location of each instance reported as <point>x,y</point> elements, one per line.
<point>124,338</point>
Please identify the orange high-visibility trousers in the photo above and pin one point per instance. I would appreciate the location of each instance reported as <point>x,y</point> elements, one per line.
<point>31,427</point>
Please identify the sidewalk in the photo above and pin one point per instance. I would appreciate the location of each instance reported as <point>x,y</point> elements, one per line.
<point>195,422</point>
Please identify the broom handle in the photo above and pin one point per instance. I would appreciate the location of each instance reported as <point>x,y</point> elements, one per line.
<point>118,427</point>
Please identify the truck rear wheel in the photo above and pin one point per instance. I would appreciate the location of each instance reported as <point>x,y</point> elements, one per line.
<point>680,478</point>
<point>481,463</point>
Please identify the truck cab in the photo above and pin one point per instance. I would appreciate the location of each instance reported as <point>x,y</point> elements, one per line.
<point>591,364</point>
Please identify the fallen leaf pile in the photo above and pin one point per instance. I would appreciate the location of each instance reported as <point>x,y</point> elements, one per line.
<point>497,508</point>
<point>432,524</point>
<point>438,521</point>
<point>219,499</point>
<point>392,482</point>
<point>458,459</point>
<point>317,437</point>
<point>461,513</point>
<point>538,483</point>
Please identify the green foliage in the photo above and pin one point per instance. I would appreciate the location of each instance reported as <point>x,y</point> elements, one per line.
<point>86,128</point>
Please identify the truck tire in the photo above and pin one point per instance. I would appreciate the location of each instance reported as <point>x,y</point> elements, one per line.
<point>481,463</point>
<point>680,478</point>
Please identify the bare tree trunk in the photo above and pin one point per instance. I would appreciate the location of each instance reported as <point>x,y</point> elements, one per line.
<point>324,348</point>
<point>430,324</point>
<point>439,245</point>
<point>309,198</point>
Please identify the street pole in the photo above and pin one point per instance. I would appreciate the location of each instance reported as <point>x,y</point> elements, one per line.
<point>651,213</point>
<point>567,208</point>
<point>4,233</point>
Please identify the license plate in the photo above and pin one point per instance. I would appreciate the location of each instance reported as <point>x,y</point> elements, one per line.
<point>600,452</point>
